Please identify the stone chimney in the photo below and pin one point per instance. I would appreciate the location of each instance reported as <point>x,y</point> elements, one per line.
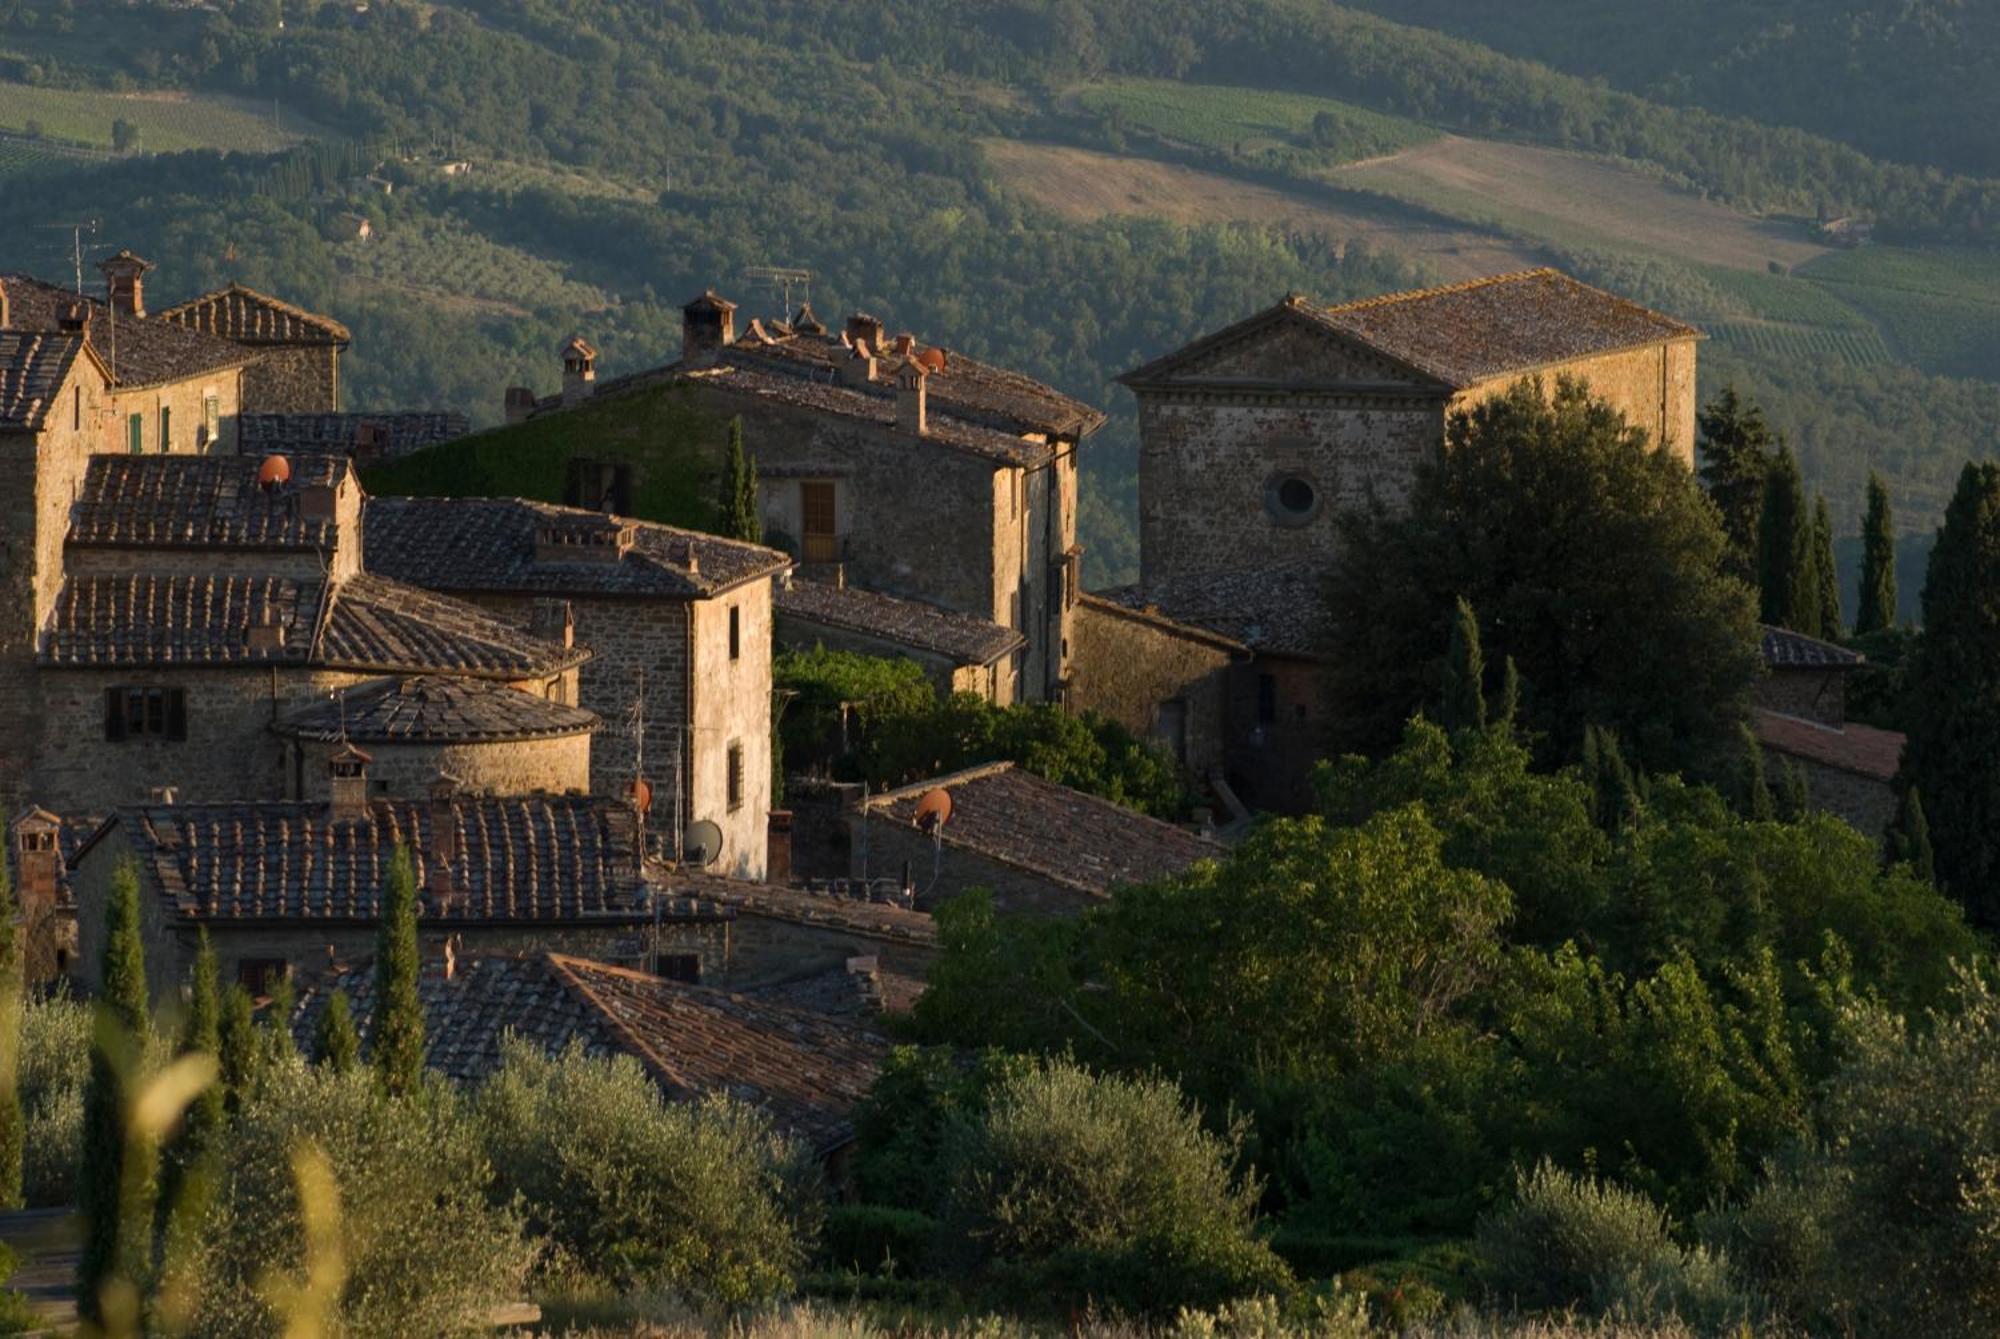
<point>347,782</point>
<point>805,323</point>
<point>37,860</point>
<point>590,539</point>
<point>862,326</point>
<point>910,397</point>
<point>520,404</point>
<point>708,325</point>
<point>75,319</point>
<point>554,620</point>
<point>858,368</point>
<point>442,854</point>
<point>778,847</point>
<point>579,362</point>
<point>125,278</point>
<point>6,310</point>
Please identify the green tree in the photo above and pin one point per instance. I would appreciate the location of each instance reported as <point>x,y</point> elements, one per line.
<point>1753,787</point>
<point>1954,725</point>
<point>1878,562</point>
<point>335,1042</point>
<point>1594,562</point>
<point>13,1119</point>
<point>241,1059</point>
<point>397,1046</point>
<point>1614,790</point>
<point>741,517</point>
<point>1909,837</point>
<point>1790,593</point>
<point>1464,673</point>
<point>1825,571</point>
<point>201,1033</point>
<point>116,1202</point>
<point>1736,447</point>
<point>124,135</point>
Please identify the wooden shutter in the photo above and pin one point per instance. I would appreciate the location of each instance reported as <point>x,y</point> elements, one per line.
<point>114,713</point>
<point>177,720</point>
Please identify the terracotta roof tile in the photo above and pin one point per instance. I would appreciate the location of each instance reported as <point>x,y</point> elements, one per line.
<point>921,626</point>
<point>33,367</point>
<point>433,707</point>
<point>245,316</point>
<point>376,623</point>
<point>1860,749</point>
<point>1065,836</point>
<point>799,906</point>
<point>1785,649</point>
<point>488,544</point>
<point>201,502</point>
<point>140,353</point>
<point>381,436</point>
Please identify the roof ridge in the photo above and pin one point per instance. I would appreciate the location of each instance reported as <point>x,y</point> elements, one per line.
<point>1439,290</point>
<point>976,772</point>
<point>564,967</point>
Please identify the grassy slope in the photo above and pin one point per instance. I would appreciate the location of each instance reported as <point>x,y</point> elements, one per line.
<point>167,122</point>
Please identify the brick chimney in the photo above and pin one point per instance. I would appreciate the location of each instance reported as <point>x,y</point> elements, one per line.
<point>708,325</point>
<point>37,860</point>
<point>858,368</point>
<point>347,783</point>
<point>910,397</point>
<point>520,406</point>
<point>443,851</point>
<point>125,278</point>
<point>579,362</point>
<point>862,326</point>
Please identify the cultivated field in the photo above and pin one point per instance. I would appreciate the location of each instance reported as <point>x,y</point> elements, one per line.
<point>1246,122</point>
<point>443,258</point>
<point>167,121</point>
<point>1939,308</point>
<point>1085,184</point>
<point>1574,199</point>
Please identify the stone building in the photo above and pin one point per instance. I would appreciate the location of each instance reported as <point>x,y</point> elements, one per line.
<point>370,438</point>
<point>297,367</point>
<point>902,467</point>
<point>1254,438</point>
<point>960,653</point>
<point>679,623</point>
<point>1035,845</point>
<point>1800,719</point>
<point>804,1068</point>
<point>204,598</point>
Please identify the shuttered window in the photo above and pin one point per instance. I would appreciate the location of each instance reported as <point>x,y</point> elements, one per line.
<point>735,777</point>
<point>145,713</point>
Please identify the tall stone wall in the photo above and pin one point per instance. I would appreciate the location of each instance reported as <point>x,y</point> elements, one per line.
<point>1130,667</point>
<point>1270,762</point>
<point>1654,387</point>
<point>557,765</point>
<point>184,405</point>
<point>1813,694</point>
<point>293,379</point>
<point>732,710</point>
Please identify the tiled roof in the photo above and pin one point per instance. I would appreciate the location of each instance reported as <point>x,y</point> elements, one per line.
<point>1785,649</point>
<point>1277,610</point>
<point>804,1069</point>
<point>245,316</point>
<point>858,989</point>
<point>33,366</point>
<point>396,433</point>
<point>797,906</point>
<point>433,708</point>
<point>139,353</point>
<point>363,623</point>
<point>488,544</point>
<point>912,623</point>
<point>1059,834</point>
<point>534,858</point>
<point>200,502</point>
<point>1860,749</point>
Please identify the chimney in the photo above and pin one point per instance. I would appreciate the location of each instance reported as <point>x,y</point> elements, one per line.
<point>579,362</point>
<point>778,847</point>
<point>906,344</point>
<point>708,325</point>
<point>520,404</point>
<point>554,621</point>
<point>75,319</point>
<point>805,323</point>
<point>37,860</point>
<point>347,781</point>
<point>593,539</point>
<point>910,397</point>
<point>266,634</point>
<point>6,311</point>
<point>125,278</point>
<point>443,851</point>
<point>862,326</point>
<point>858,369</point>
<point>314,502</point>
<point>161,795</point>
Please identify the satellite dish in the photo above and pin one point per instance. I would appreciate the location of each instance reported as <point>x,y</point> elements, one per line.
<point>934,809</point>
<point>702,844</point>
<point>641,794</point>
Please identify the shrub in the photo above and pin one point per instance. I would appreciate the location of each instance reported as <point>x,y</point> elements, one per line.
<point>425,1250</point>
<point>875,1238</point>
<point>55,1061</point>
<point>703,1198</point>
<point>1073,1187</point>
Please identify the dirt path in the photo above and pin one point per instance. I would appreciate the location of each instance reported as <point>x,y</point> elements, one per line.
<point>45,1245</point>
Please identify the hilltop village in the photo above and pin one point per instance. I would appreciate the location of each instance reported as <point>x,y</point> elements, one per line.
<point>223,662</point>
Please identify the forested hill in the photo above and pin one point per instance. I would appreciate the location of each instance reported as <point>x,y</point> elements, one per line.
<point>1065,186</point>
<point>1916,81</point>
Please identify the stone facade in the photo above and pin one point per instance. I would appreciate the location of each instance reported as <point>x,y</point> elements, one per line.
<point>192,417</point>
<point>1163,681</point>
<point>1814,694</point>
<point>558,765</point>
<point>1276,731</point>
<point>295,380</point>
<point>1866,802</point>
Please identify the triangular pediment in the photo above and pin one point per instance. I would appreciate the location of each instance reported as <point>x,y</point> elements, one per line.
<point>1289,344</point>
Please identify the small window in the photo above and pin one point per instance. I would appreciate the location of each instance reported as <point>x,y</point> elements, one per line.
<point>1291,499</point>
<point>135,434</point>
<point>735,777</point>
<point>1267,699</point>
<point>735,633</point>
<point>76,408</point>
<point>679,967</point>
<point>261,976</point>
<point>145,713</point>
<point>166,429</point>
<point>600,485</point>
<point>211,418</point>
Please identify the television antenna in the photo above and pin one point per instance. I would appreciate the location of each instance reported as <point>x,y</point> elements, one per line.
<point>76,232</point>
<point>780,279</point>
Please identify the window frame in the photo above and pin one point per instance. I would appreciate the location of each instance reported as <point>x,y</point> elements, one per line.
<point>734,778</point>
<point>145,712</point>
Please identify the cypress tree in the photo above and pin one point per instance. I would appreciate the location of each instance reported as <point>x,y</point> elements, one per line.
<point>1736,448</point>
<point>1510,693</point>
<point>1794,793</point>
<point>1954,696</point>
<point>1878,562</point>
<point>279,1045</point>
<point>1789,594</point>
<point>1910,837</point>
<point>738,501</point>
<point>238,1055</point>
<point>335,1042</point>
<point>1753,797</point>
<point>397,1046</point>
<point>201,1032</point>
<point>1615,802</point>
<point>13,1124</point>
<point>116,1195</point>
<point>1464,673</point>
<point>1825,571</point>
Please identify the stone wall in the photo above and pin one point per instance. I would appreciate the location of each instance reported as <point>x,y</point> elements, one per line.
<point>754,951</point>
<point>1270,763</point>
<point>884,849</point>
<point>184,404</point>
<point>1129,666</point>
<point>1868,804</point>
<point>293,379</point>
<point>1813,694</point>
<point>732,710</point>
<point>557,765</point>
<point>1653,386</point>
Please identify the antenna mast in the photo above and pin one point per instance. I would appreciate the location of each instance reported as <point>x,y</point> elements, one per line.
<point>780,278</point>
<point>76,232</point>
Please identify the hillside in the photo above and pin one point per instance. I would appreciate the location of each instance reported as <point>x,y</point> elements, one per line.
<point>1069,189</point>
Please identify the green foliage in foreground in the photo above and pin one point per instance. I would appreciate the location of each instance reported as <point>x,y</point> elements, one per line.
<point>117,1194</point>
<point>396,1047</point>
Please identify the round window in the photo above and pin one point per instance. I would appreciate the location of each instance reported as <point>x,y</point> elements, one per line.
<point>1295,496</point>
<point>1291,499</point>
